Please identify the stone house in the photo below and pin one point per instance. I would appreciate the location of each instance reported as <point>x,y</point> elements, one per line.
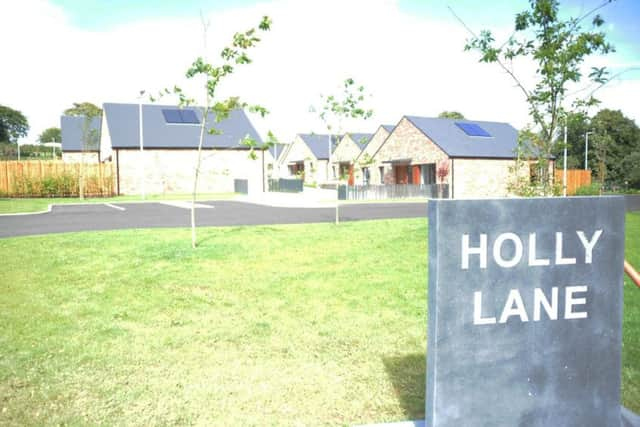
<point>478,156</point>
<point>170,137</point>
<point>364,174</point>
<point>308,156</point>
<point>80,139</point>
<point>348,149</point>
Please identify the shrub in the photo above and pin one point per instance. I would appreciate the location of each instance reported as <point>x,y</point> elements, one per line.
<point>588,190</point>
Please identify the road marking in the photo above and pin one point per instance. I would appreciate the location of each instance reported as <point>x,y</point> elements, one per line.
<point>185,204</point>
<point>120,208</point>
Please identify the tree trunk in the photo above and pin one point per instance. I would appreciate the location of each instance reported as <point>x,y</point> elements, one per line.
<point>195,180</point>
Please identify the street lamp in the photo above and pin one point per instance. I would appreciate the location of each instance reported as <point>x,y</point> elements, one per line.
<point>586,149</point>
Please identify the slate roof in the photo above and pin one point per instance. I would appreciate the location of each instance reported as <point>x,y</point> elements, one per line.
<point>319,144</point>
<point>72,130</point>
<point>276,150</point>
<point>361,139</point>
<point>122,122</point>
<point>389,128</point>
<point>456,143</point>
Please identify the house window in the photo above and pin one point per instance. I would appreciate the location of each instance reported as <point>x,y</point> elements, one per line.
<point>428,173</point>
<point>381,169</point>
<point>365,176</point>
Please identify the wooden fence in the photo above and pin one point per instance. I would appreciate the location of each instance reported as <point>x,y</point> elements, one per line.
<point>35,178</point>
<point>576,178</point>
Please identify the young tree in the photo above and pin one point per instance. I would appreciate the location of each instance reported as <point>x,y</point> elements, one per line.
<point>559,47</point>
<point>90,136</point>
<point>337,108</point>
<point>233,55</point>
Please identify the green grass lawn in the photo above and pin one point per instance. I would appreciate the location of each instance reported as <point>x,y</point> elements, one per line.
<point>270,325</point>
<point>17,205</point>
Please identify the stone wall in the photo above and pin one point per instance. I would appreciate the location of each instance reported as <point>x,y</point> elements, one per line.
<point>172,171</point>
<point>406,142</point>
<point>482,178</point>
<point>315,171</point>
<point>366,156</point>
<point>77,157</point>
<point>346,151</point>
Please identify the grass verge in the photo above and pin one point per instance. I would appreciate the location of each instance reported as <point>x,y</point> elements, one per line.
<point>18,205</point>
<point>270,325</point>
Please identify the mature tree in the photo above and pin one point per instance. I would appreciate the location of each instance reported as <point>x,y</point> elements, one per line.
<point>615,149</point>
<point>85,109</point>
<point>233,55</point>
<point>337,108</point>
<point>13,124</point>
<point>559,47</point>
<point>50,135</point>
<point>451,115</point>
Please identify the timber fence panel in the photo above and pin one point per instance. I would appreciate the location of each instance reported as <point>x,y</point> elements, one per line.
<point>37,178</point>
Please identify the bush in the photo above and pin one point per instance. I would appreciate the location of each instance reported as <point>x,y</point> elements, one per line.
<point>589,190</point>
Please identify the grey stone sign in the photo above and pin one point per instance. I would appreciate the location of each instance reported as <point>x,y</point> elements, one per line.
<point>525,312</point>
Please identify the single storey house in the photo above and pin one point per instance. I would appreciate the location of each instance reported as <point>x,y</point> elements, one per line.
<point>476,158</point>
<point>364,174</point>
<point>154,149</point>
<point>80,139</point>
<point>308,156</point>
<point>348,149</point>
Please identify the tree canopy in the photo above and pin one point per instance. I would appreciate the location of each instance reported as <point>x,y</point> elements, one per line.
<point>559,48</point>
<point>52,134</point>
<point>451,115</point>
<point>13,124</point>
<point>86,109</point>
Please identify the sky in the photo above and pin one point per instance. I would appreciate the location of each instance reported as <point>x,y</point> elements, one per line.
<point>409,55</point>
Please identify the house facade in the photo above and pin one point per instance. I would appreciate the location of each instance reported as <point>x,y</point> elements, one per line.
<point>155,148</point>
<point>80,139</point>
<point>365,172</point>
<point>308,157</point>
<point>346,152</point>
<point>475,158</point>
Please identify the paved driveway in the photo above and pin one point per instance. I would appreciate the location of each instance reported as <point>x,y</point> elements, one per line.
<point>66,218</point>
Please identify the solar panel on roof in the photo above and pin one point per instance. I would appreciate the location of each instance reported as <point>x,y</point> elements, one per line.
<point>472,129</point>
<point>178,116</point>
<point>189,116</point>
<point>172,116</point>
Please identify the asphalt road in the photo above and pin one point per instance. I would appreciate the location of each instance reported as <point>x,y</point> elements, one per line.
<point>68,218</point>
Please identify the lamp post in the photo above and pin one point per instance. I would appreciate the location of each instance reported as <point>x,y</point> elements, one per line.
<point>586,149</point>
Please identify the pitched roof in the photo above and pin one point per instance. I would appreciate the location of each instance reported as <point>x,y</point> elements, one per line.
<point>361,139</point>
<point>277,149</point>
<point>73,131</point>
<point>319,144</point>
<point>449,136</point>
<point>388,128</point>
<point>123,125</point>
